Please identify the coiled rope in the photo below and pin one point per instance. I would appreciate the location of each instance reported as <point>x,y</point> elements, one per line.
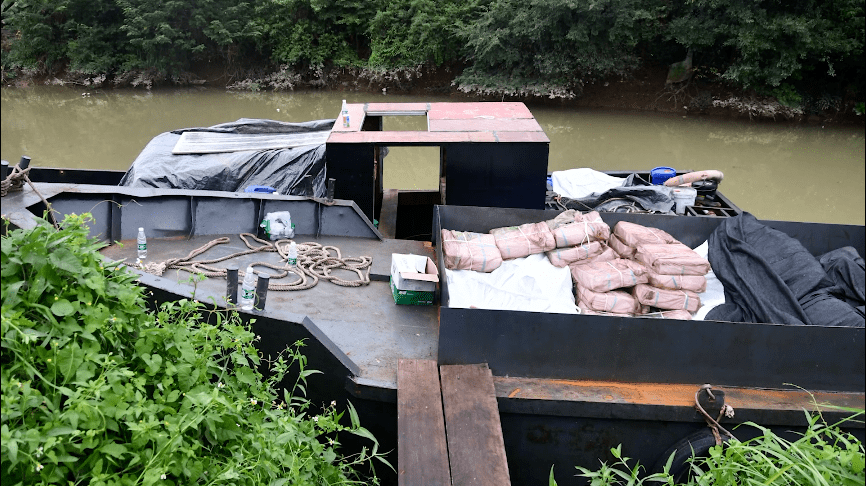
<point>315,262</point>
<point>15,182</point>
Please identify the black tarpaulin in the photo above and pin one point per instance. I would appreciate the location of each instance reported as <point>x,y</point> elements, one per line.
<point>283,169</point>
<point>769,277</point>
<point>846,268</point>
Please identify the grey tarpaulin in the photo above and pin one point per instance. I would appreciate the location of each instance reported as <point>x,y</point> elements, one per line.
<point>846,268</point>
<point>770,277</point>
<point>282,169</point>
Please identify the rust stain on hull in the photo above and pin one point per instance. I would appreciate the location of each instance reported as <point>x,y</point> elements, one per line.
<point>668,394</point>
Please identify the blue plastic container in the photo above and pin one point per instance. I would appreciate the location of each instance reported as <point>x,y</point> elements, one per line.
<point>659,175</point>
<point>264,189</point>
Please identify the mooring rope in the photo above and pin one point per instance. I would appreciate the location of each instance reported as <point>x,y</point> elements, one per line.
<point>315,262</point>
<point>713,424</point>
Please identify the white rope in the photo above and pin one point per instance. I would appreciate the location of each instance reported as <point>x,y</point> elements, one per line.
<point>621,277</point>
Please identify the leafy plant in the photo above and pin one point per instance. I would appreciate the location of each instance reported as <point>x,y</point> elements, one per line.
<point>787,95</point>
<point>413,32</point>
<point>823,454</point>
<point>98,390</point>
<point>765,43</point>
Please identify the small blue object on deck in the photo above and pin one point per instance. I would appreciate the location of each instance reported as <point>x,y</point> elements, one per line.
<point>264,189</point>
<point>659,175</point>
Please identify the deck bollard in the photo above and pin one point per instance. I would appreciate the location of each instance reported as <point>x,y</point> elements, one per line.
<point>262,290</point>
<point>232,285</point>
<point>331,184</point>
<point>24,163</point>
<point>5,173</point>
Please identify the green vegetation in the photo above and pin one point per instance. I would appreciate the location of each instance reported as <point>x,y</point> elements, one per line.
<point>99,390</point>
<point>503,47</point>
<point>823,455</point>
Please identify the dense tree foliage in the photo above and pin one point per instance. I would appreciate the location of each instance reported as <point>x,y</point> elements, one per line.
<point>544,46</point>
<point>539,47</point>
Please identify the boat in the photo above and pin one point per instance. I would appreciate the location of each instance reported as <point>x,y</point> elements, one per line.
<point>568,387</point>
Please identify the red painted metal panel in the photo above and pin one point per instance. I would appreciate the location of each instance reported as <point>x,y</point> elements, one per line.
<point>480,137</point>
<point>398,138</point>
<point>466,111</point>
<point>356,118</point>
<point>483,124</point>
<point>396,107</point>
<point>539,137</point>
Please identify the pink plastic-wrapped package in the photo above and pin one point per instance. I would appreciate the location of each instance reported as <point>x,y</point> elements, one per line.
<point>672,259</point>
<point>579,229</point>
<point>680,314</point>
<point>608,275</point>
<point>464,250</point>
<point>605,256</point>
<point>667,299</point>
<point>634,234</point>
<point>524,240</point>
<point>695,283</point>
<point>615,301</point>
<point>565,217</point>
<point>562,257</point>
<point>621,249</point>
<point>586,310</point>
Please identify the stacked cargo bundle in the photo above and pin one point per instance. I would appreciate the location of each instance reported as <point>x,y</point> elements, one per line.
<point>675,274</point>
<point>581,244</point>
<point>464,250</point>
<point>524,240</point>
<point>601,286</point>
<point>579,238</point>
<point>630,271</point>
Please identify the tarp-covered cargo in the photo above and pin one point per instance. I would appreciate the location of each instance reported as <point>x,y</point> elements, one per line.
<point>233,156</point>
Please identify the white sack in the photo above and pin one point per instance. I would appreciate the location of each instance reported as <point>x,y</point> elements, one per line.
<point>530,284</point>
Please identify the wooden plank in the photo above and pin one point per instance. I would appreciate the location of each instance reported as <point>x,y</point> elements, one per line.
<point>388,215</point>
<point>214,143</point>
<point>476,448</point>
<point>422,457</point>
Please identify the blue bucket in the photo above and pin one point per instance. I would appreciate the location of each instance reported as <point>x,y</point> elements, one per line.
<point>659,175</point>
<point>264,189</point>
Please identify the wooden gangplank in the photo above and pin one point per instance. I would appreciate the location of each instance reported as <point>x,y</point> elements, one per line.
<point>422,454</point>
<point>476,448</point>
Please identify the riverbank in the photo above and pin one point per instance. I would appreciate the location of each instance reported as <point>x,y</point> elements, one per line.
<point>643,90</point>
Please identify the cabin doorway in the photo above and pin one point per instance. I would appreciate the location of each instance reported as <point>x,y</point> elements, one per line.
<point>411,185</point>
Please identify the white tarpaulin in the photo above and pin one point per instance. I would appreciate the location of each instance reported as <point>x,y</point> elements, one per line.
<point>715,293</point>
<point>530,284</point>
<point>577,183</point>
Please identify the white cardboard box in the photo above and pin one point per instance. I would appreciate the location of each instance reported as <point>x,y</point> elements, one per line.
<point>414,272</point>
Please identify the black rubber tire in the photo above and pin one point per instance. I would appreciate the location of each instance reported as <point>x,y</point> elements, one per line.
<point>699,442</point>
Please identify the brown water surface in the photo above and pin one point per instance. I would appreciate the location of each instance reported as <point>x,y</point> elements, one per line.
<point>773,170</point>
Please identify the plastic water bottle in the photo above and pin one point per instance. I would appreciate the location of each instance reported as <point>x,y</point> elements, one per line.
<point>142,244</point>
<point>292,259</point>
<point>345,115</point>
<point>248,290</point>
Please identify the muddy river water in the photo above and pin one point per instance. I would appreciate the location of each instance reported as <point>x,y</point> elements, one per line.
<point>796,172</point>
